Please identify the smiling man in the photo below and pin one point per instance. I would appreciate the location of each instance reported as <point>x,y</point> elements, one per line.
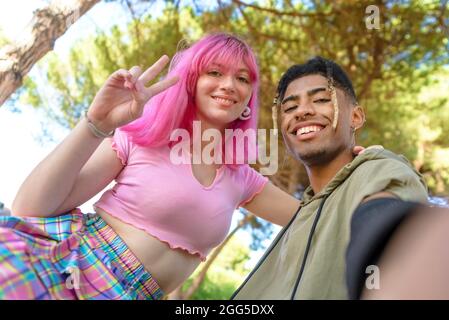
<point>319,114</point>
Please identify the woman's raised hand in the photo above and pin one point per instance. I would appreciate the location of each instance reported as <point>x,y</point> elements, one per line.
<point>359,149</point>
<point>124,95</point>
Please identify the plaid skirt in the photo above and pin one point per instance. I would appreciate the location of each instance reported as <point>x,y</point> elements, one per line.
<point>72,256</point>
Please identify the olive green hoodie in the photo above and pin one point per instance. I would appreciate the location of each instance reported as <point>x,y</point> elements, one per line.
<point>274,277</point>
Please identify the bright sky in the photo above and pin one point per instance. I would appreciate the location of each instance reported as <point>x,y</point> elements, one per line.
<point>20,148</point>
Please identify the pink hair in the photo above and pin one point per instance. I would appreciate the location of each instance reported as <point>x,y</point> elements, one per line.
<point>175,107</point>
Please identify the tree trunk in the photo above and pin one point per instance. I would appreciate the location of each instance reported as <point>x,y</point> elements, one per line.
<point>47,25</point>
<point>178,294</point>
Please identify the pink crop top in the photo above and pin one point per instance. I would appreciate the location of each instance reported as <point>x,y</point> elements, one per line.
<point>169,203</point>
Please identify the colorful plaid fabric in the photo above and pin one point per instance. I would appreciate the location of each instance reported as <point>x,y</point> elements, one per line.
<point>73,256</point>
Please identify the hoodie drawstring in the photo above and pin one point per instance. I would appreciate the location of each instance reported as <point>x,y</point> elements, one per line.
<point>279,237</point>
<point>264,257</point>
<point>306,253</point>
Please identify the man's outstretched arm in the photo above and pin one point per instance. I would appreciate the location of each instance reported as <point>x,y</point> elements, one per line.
<point>406,242</point>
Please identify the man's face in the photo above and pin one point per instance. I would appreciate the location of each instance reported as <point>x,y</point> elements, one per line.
<point>307,114</point>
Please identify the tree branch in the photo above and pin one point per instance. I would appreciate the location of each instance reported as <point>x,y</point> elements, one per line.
<point>262,34</point>
<point>47,25</point>
<point>441,18</point>
<point>281,13</point>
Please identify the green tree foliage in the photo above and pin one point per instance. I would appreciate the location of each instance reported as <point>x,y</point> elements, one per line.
<point>225,275</point>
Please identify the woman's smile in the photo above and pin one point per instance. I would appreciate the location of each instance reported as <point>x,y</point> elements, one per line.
<point>225,101</point>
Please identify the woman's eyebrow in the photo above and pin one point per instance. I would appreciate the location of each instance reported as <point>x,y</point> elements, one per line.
<point>219,65</point>
<point>243,70</point>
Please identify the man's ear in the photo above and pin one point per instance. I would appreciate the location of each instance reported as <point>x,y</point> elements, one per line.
<point>357,117</point>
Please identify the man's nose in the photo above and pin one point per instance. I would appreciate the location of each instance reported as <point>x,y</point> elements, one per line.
<point>304,109</point>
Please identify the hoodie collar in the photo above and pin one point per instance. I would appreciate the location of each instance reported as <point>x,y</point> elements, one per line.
<point>371,153</point>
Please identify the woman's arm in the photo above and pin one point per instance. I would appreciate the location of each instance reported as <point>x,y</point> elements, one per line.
<point>57,184</point>
<point>273,204</point>
<point>102,168</point>
<point>49,185</point>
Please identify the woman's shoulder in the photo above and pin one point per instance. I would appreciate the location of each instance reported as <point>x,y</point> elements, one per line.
<point>243,171</point>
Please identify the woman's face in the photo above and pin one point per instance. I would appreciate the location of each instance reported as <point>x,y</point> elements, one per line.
<point>222,93</point>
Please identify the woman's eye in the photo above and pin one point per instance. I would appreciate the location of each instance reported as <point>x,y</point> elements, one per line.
<point>322,100</point>
<point>214,73</point>
<point>243,79</point>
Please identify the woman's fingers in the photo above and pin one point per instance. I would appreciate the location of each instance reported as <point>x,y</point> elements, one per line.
<point>161,86</point>
<point>358,150</point>
<point>135,71</point>
<point>141,98</point>
<point>131,81</point>
<point>121,74</point>
<point>134,80</point>
<point>154,70</point>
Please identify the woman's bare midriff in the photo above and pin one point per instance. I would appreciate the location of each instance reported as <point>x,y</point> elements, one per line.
<point>169,267</point>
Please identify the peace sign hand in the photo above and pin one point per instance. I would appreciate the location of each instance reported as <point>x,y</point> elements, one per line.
<point>122,98</point>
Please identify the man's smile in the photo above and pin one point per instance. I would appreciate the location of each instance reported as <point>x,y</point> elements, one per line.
<point>307,130</point>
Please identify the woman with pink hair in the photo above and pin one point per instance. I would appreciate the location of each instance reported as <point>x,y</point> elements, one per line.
<point>160,220</point>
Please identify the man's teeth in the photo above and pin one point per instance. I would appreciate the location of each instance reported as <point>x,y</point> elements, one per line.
<point>305,130</point>
<point>224,101</point>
